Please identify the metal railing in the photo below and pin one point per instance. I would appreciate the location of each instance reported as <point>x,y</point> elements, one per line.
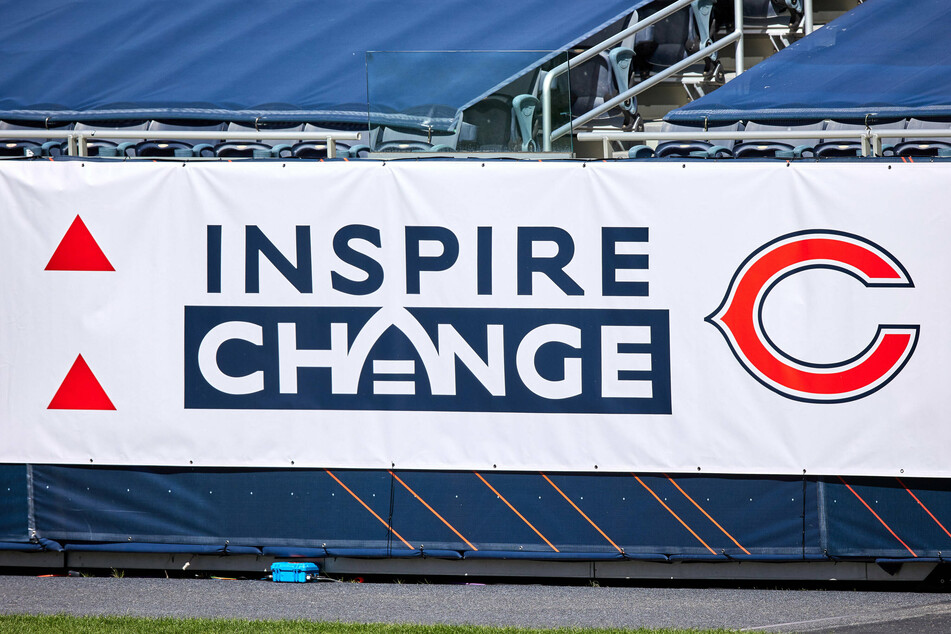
<point>78,139</point>
<point>871,139</point>
<point>548,135</point>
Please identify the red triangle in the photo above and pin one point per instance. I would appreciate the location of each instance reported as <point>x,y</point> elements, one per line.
<point>78,251</point>
<point>81,390</point>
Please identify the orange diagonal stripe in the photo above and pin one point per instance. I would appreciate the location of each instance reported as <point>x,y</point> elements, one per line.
<point>514,510</point>
<point>723,530</point>
<point>357,498</point>
<point>433,511</point>
<point>596,527</point>
<point>669,510</point>
<point>887,527</point>
<point>930,514</point>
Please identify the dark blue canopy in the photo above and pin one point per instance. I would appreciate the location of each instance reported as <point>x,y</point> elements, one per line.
<point>299,60</point>
<point>885,58</point>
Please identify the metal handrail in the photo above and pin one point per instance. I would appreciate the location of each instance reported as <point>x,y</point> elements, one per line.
<point>77,138</point>
<point>548,135</point>
<point>876,136</point>
<point>871,139</point>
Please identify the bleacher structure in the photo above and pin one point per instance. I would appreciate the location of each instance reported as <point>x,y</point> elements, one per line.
<point>462,102</point>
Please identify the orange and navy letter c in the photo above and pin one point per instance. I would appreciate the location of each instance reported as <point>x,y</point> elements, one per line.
<point>740,317</point>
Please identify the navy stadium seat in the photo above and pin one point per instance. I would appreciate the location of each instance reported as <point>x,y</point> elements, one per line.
<point>148,149</point>
<point>664,43</point>
<point>52,147</point>
<point>835,148</point>
<point>24,148</point>
<point>102,144</point>
<point>493,123</point>
<point>233,146</point>
<point>918,143</point>
<point>782,148</point>
<point>243,149</point>
<point>424,131</point>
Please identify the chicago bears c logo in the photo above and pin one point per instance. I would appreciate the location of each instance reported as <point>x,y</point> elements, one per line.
<point>740,317</point>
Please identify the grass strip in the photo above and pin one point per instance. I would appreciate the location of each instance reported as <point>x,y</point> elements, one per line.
<point>56,624</point>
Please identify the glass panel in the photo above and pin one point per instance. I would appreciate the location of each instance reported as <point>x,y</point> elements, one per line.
<point>462,101</point>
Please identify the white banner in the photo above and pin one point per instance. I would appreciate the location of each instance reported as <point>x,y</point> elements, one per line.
<point>698,317</point>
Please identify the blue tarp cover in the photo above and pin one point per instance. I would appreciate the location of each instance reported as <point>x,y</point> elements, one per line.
<point>297,60</point>
<point>885,58</point>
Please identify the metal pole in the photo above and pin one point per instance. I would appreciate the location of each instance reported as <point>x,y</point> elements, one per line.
<point>808,26</point>
<point>738,27</point>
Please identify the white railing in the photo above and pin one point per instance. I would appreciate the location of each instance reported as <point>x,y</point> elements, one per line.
<point>78,139</point>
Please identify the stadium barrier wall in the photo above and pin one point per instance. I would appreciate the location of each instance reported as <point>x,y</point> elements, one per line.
<point>465,359</point>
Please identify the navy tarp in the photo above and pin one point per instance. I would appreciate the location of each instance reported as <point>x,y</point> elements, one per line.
<point>312,512</point>
<point>14,508</point>
<point>287,60</point>
<point>885,58</point>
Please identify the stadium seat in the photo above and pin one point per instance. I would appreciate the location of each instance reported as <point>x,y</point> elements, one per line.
<point>664,43</point>
<point>923,148</point>
<point>149,149</point>
<point>836,148</point>
<point>699,145</point>
<point>231,146</point>
<point>24,148</point>
<point>184,127</point>
<point>424,131</point>
<point>778,148</point>
<point>102,144</point>
<point>404,146</point>
<point>594,82</point>
<point>53,147</point>
<point>917,143</point>
<point>366,137</point>
<point>243,149</point>
<point>525,109</point>
<point>762,13</point>
<point>359,151</point>
<point>312,150</point>
<point>493,124</point>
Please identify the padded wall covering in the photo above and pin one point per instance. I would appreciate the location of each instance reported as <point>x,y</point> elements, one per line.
<point>314,512</point>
